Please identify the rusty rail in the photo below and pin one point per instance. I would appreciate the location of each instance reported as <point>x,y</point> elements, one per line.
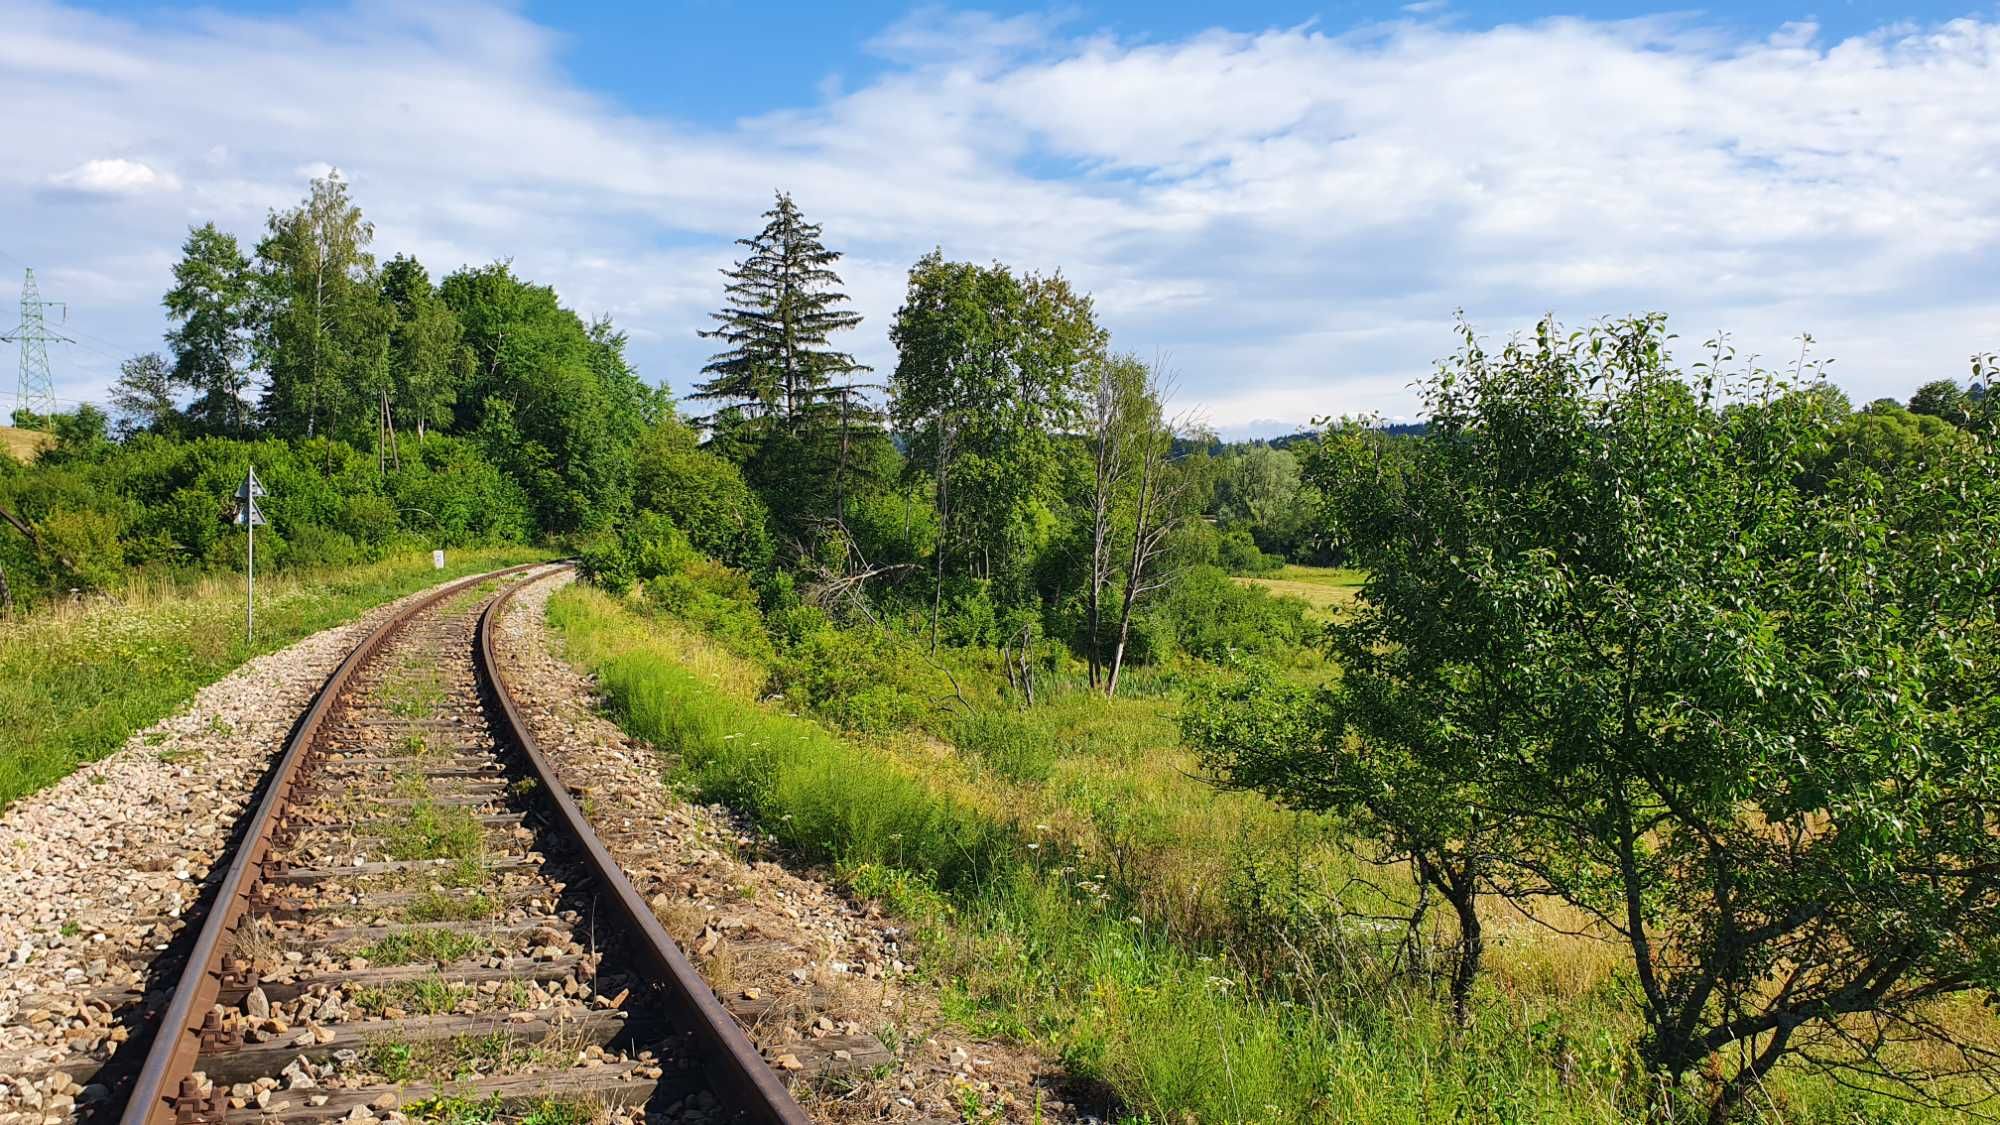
<point>739,1074</point>
<point>165,1092</point>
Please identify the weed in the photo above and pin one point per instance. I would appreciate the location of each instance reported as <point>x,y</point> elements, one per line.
<point>434,905</point>
<point>70,928</point>
<point>456,1109</point>
<point>562,1111</point>
<point>433,831</point>
<point>407,947</point>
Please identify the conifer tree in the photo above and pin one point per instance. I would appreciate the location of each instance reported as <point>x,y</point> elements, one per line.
<point>784,302</point>
<point>787,407</point>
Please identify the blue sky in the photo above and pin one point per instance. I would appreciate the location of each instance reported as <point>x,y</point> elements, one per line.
<point>1286,202</point>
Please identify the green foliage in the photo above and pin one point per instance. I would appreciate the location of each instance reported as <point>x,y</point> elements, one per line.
<point>1733,708</point>
<point>324,338</point>
<point>553,402</point>
<point>988,376</point>
<point>788,412</point>
<point>703,494</point>
<point>862,679</point>
<point>1236,552</point>
<point>212,307</point>
<point>1015,746</point>
<point>1208,617</point>
<point>160,504</point>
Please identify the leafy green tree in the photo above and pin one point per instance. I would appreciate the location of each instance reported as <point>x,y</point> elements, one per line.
<point>1887,437</point>
<point>1740,714</point>
<point>323,335</point>
<point>212,306</point>
<point>991,372</point>
<point>1942,398</point>
<point>703,494</point>
<point>144,394</point>
<point>428,356</point>
<point>554,401</point>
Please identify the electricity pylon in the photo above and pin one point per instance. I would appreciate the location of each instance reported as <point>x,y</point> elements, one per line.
<point>36,392</point>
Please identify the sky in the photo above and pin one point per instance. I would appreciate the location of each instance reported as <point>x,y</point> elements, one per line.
<point>1286,204</point>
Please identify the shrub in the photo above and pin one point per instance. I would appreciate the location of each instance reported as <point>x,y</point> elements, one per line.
<point>1237,553</point>
<point>862,679</point>
<point>1207,616</point>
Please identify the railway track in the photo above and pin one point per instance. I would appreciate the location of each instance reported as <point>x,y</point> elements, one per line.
<point>418,919</point>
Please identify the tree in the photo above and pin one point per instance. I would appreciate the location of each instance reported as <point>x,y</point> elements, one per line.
<point>1161,500</point>
<point>323,336</point>
<point>990,373</point>
<point>427,349</point>
<point>785,302</point>
<point>1741,714</point>
<point>211,305</point>
<point>1942,398</point>
<point>787,399</point>
<point>553,401</point>
<point>144,394</point>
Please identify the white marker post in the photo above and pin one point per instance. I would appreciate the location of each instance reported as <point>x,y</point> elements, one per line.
<point>249,515</point>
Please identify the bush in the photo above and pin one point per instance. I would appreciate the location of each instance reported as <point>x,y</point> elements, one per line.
<point>1207,617</point>
<point>862,679</point>
<point>1237,553</point>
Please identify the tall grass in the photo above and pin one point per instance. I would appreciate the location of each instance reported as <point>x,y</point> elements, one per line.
<point>77,680</point>
<point>1034,933</point>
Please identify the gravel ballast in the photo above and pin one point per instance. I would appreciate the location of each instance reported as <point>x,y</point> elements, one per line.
<point>98,871</point>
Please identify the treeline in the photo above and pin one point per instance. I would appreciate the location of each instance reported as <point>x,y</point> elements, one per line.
<point>1014,482</point>
<point>379,406</point>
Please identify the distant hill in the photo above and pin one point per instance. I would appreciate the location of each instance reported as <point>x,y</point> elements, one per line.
<point>1217,448</point>
<point>22,445</point>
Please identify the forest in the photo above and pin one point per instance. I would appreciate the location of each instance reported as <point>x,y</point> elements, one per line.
<point>1619,742</point>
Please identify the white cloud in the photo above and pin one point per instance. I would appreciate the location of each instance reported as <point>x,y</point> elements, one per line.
<point>113,177</point>
<point>1292,215</point>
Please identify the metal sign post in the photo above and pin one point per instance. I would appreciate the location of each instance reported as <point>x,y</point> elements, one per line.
<point>250,516</point>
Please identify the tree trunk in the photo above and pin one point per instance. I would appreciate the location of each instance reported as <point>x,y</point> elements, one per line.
<point>1471,949</point>
<point>944,531</point>
<point>6,595</point>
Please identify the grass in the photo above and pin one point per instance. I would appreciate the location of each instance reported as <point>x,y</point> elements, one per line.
<point>436,906</point>
<point>462,1110</point>
<point>429,996</point>
<point>1204,956</point>
<point>76,682</point>
<point>409,947</point>
<point>1327,589</point>
<point>22,445</point>
<point>429,830</point>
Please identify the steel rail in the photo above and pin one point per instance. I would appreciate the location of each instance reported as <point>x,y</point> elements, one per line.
<point>741,1077</point>
<point>177,1041</point>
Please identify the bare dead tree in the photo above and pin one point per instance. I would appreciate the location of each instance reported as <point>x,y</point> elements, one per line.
<point>1159,507</point>
<point>1109,449</point>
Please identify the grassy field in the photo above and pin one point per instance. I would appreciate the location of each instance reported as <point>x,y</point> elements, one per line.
<point>1204,955</point>
<point>76,681</point>
<point>1327,589</point>
<point>22,445</point>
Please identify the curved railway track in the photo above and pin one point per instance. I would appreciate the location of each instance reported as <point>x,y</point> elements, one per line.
<point>418,917</point>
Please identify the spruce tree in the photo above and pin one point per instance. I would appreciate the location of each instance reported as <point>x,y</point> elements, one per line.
<point>784,301</point>
<point>787,407</point>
